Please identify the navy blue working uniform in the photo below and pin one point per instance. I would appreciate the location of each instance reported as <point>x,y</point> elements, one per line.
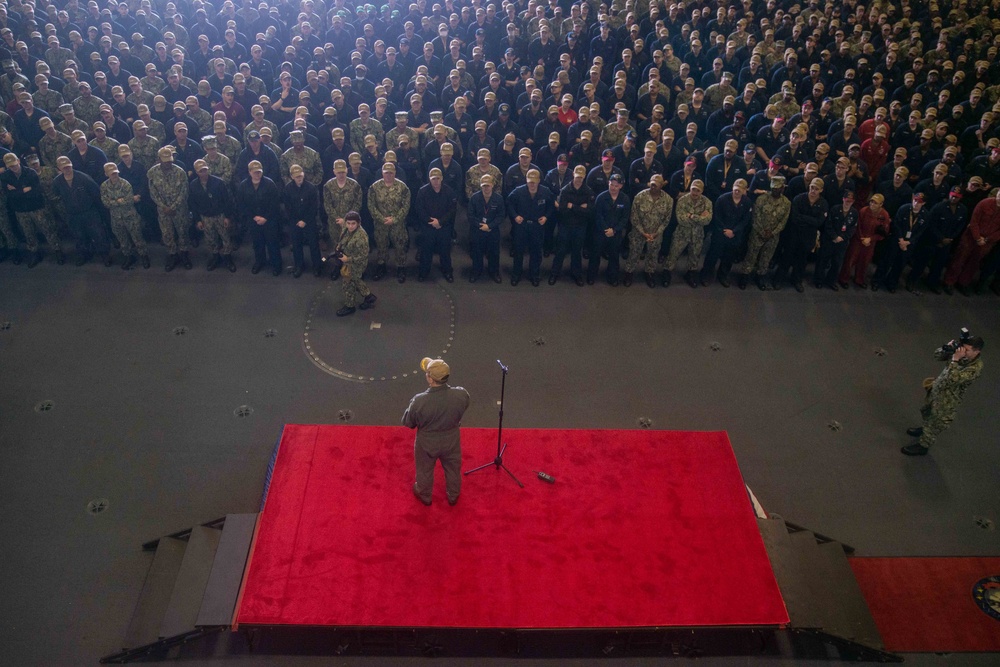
<point>82,199</point>
<point>576,208</point>
<point>485,242</point>
<point>727,215</point>
<point>804,221</point>
<point>301,202</point>
<point>838,225</point>
<point>609,214</point>
<point>946,222</point>
<point>908,225</point>
<point>440,205</point>
<point>264,201</point>
<point>536,213</point>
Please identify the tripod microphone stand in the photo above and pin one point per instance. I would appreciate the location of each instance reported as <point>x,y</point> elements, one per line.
<point>501,448</point>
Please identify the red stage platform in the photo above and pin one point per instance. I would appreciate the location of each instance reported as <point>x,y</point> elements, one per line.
<point>641,529</point>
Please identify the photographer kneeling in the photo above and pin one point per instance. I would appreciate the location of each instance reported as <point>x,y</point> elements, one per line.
<point>944,393</point>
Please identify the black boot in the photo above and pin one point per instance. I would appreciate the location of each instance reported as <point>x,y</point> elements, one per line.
<point>690,279</point>
<point>650,281</point>
<point>665,278</point>
<point>34,258</point>
<point>627,279</point>
<point>379,273</point>
<point>401,275</point>
<point>129,260</point>
<point>81,259</point>
<point>145,261</point>
<point>297,271</point>
<point>346,310</point>
<point>230,264</point>
<point>213,263</point>
<point>60,258</point>
<point>369,302</point>
<point>108,260</point>
<point>762,284</point>
<point>15,256</point>
<point>744,279</point>
<point>171,263</point>
<point>185,260</point>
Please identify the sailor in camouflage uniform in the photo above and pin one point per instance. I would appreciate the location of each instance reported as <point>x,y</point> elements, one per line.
<point>353,244</point>
<point>53,144</point>
<point>53,203</point>
<point>168,188</point>
<point>88,105</point>
<point>117,197</point>
<point>45,98</point>
<point>305,157</point>
<point>389,203</point>
<point>614,133</point>
<point>103,141</point>
<point>945,392</point>
<point>474,176</point>
<point>22,190</point>
<point>218,164</point>
<point>341,195</point>
<point>364,125</point>
<point>70,122</point>
<point>228,146</point>
<point>392,136</point>
<point>651,211</point>
<point>694,213</point>
<point>770,215</point>
<point>144,146</point>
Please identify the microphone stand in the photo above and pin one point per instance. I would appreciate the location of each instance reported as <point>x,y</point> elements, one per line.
<point>498,461</point>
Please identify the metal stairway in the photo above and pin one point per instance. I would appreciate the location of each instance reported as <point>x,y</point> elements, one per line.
<point>823,599</point>
<point>190,589</point>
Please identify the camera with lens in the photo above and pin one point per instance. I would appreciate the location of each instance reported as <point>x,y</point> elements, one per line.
<point>336,259</point>
<point>963,337</point>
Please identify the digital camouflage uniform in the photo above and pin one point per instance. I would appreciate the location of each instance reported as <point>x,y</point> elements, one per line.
<point>612,135</point>
<point>53,203</point>
<point>221,166</point>
<point>360,131</point>
<point>142,97</point>
<point>108,145</point>
<point>169,190</point>
<point>153,85</point>
<point>769,217</point>
<point>57,56</point>
<point>306,158</point>
<point>945,395</point>
<point>125,222</point>
<point>694,212</point>
<point>71,91</point>
<point>385,201</point>
<point>230,147</point>
<point>338,201</point>
<point>50,148</point>
<point>648,217</point>
<point>144,150</point>
<point>88,109</point>
<point>354,245</point>
<point>393,135</point>
<point>473,179</point>
<point>204,120</point>
<point>254,126</point>
<point>49,101</point>
<point>68,128</point>
<point>157,130</point>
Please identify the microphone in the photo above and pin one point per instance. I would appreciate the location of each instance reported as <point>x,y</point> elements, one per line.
<point>502,367</point>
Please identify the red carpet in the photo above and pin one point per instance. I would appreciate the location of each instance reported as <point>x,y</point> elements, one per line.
<point>642,528</point>
<point>928,604</point>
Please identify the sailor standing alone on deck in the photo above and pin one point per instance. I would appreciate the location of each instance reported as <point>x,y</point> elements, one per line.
<point>437,415</point>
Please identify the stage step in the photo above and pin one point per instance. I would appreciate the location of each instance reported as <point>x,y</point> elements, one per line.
<point>821,595</point>
<point>219,601</point>
<point>192,579</point>
<point>144,628</point>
